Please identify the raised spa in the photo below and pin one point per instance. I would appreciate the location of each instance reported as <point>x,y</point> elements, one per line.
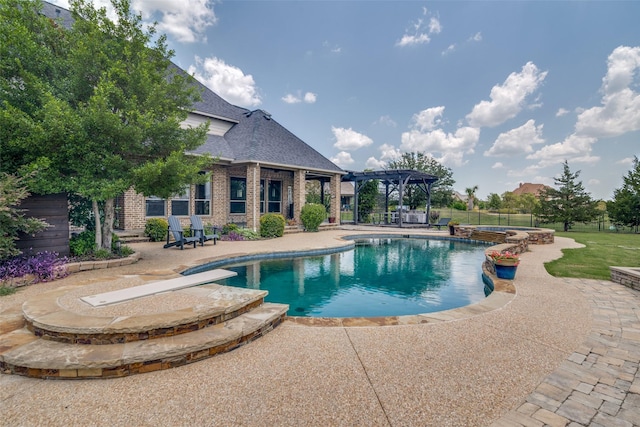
<point>376,277</point>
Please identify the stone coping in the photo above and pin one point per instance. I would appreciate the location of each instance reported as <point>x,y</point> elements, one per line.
<point>48,319</point>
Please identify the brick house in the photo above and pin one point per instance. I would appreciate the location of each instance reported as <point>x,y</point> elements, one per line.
<point>261,168</point>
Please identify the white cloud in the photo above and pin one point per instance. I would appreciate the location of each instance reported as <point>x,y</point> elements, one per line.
<point>291,99</point>
<point>507,100</point>
<point>373,163</point>
<point>386,120</point>
<point>620,110</point>
<point>497,165</point>
<point>348,139</point>
<point>389,153</point>
<point>627,161</point>
<point>517,141</point>
<point>450,49</point>
<point>308,98</point>
<point>427,137</point>
<point>618,114</point>
<point>417,33</point>
<point>408,40</point>
<point>574,148</point>
<point>342,159</point>
<point>477,37</point>
<point>562,112</point>
<point>428,119</point>
<point>332,49</point>
<point>452,146</point>
<point>434,26</point>
<point>227,81</point>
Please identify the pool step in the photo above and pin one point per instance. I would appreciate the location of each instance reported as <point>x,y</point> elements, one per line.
<point>22,353</point>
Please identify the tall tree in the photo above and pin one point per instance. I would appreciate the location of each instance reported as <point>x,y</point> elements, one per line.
<point>113,119</point>
<point>471,196</point>
<point>624,209</point>
<point>367,198</point>
<point>441,190</point>
<point>494,201</point>
<point>569,203</point>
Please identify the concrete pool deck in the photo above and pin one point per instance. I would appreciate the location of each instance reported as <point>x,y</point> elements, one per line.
<point>562,352</point>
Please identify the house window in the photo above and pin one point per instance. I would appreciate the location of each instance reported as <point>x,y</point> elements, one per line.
<point>155,206</point>
<point>180,203</point>
<point>275,196</point>
<point>238,195</point>
<point>262,196</point>
<point>203,198</point>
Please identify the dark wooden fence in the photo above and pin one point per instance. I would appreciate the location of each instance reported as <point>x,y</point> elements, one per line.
<point>53,209</point>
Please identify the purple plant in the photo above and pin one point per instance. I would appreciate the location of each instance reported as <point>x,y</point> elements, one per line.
<point>232,237</point>
<point>43,266</point>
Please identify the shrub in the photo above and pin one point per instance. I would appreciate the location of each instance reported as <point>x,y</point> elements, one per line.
<point>312,215</point>
<point>272,225</point>
<point>248,234</point>
<point>126,250</point>
<point>83,244</point>
<point>6,290</point>
<point>43,266</point>
<point>228,228</point>
<point>102,253</point>
<point>156,229</point>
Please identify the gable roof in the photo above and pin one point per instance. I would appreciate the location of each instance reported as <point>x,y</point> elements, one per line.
<point>529,188</point>
<point>254,137</point>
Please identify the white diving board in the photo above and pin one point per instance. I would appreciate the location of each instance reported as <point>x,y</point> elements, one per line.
<point>127,294</point>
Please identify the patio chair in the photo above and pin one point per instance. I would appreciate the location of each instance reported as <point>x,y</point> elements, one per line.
<point>201,232</point>
<point>444,222</point>
<point>175,229</point>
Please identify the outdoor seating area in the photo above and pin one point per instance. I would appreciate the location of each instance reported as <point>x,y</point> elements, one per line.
<point>199,233</point>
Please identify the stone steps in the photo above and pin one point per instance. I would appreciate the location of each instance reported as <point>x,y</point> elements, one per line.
<point>40,358</point>
<point>55,335</point>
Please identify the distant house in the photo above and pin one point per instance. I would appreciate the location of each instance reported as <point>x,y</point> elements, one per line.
<point>262,168</point>
<point>529,188</point>
<point>347,192</point>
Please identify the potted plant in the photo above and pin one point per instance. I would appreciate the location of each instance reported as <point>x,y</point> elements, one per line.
<point>506,263</point>
<point>452,226</point>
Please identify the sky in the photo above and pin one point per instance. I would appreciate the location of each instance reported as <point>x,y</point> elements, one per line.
<point>500,92</point>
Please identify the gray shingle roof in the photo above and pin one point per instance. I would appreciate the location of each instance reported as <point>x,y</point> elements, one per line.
<point>255,137</point>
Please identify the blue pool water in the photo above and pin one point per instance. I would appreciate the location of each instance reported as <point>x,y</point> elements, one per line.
<point>378,277</point>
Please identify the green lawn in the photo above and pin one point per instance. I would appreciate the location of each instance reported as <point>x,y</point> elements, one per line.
<point>602,250</point>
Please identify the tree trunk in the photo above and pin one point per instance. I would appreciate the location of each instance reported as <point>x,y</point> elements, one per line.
<point>566,226</point>
<point>96,216</point>
<point>107,226</point>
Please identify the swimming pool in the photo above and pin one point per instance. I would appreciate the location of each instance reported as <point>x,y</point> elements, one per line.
<point>376,277</point>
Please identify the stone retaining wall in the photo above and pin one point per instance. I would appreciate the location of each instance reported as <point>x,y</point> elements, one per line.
<point>535,236</point>
<point>629,277</point>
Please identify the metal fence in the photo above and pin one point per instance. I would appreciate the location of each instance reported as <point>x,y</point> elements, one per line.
<point>482,217</point>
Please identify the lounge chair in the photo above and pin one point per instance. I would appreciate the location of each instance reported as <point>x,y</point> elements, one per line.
<point>444,222</point>
<point>201,232</point>
<point>175,229</point>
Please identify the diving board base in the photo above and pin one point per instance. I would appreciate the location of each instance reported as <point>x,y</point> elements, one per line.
<point>127,294</point>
